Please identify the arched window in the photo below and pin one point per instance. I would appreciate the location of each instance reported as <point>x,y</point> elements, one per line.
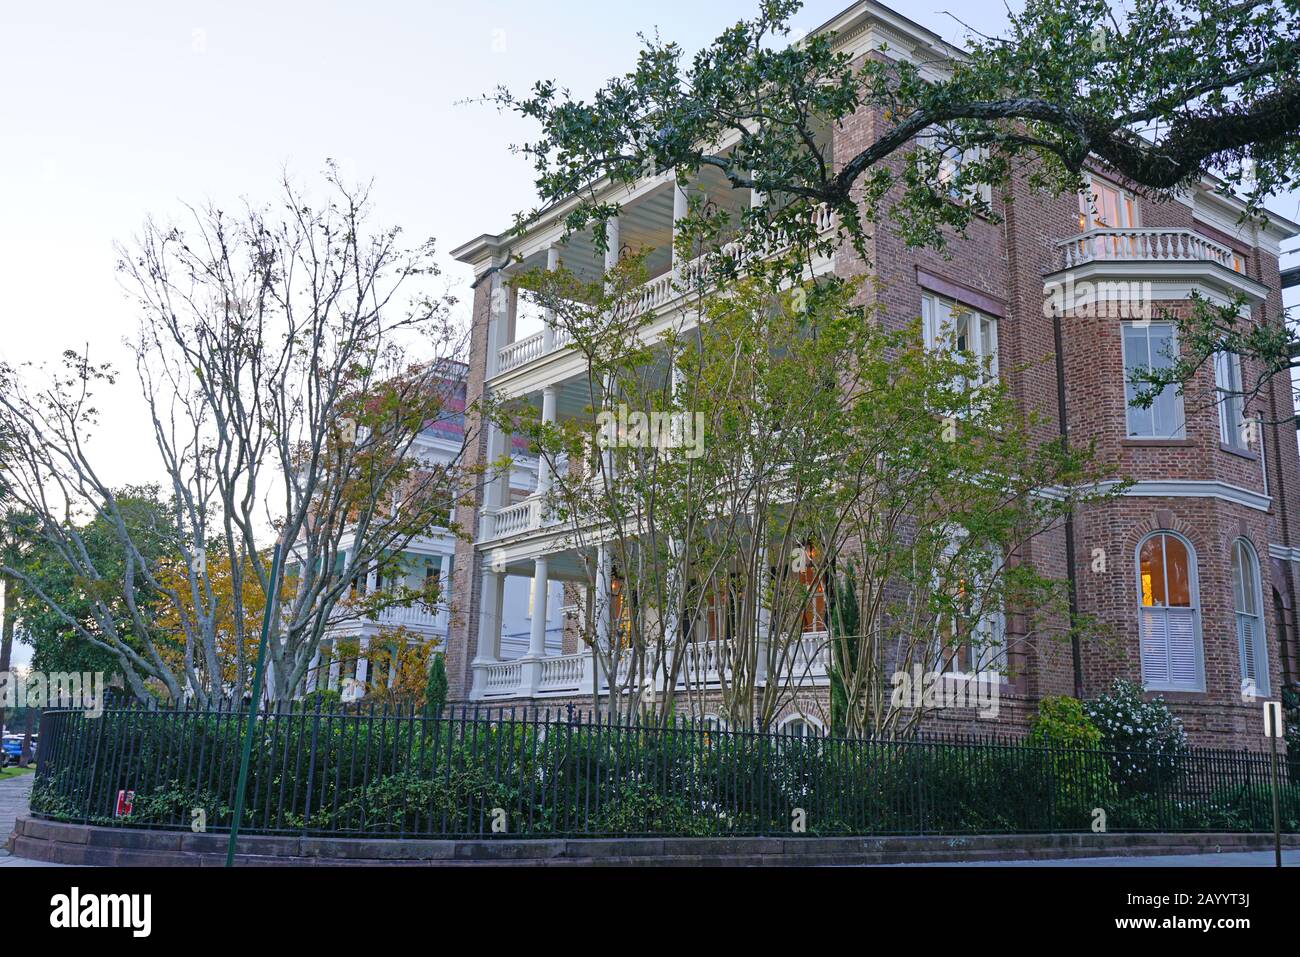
<point>1169,613</point>
<point>1247,602</point>
<point>801,726</point>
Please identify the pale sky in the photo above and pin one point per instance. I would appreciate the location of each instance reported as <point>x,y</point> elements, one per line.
<point>110,112</point>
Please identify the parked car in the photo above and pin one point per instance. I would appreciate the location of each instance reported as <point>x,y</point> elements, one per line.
<point>12,748</point>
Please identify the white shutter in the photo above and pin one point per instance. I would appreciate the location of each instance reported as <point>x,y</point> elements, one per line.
<point>1246,642</point>
<point>1182,647</point>
<point>1154,640</point>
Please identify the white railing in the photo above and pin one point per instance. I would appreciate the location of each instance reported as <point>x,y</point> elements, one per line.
<point>562,673</point>
<point>502,677</point>
<point>415,615</point>
<point>520,351</point>
<point>522,516</point>
<point>706,663</point>
<point>1144,245</point>
<point>656,292</point>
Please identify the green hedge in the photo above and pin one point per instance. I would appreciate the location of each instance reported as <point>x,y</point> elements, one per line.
<point>457,774</point>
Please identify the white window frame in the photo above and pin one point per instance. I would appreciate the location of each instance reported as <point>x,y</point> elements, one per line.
<point>1149,679</point>
<point>1246,583</point>
<point>1130,391</point>
<point>1232,403</point>
<point>1124,199</point>
<point>951,159</point>
<point>991,655</point>
<point>940,317</point>
<point>813,727</point>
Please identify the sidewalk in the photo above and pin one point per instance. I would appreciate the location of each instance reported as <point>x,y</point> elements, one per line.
<point>13,803</point>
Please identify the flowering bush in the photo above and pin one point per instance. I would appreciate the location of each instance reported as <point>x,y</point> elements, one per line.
<point>1143,737</point>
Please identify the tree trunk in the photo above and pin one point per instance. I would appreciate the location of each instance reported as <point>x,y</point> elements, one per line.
<point>7,638</point>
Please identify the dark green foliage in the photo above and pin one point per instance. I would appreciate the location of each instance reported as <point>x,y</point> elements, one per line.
<point>1081,781</point>
<point>845,635</point>
<point>407,774</point>
<point>322,699</point>
<point>435,691</point>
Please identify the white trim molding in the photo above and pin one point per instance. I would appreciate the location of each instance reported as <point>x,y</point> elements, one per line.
<point>1282,553</point>
<point>1182,488</point>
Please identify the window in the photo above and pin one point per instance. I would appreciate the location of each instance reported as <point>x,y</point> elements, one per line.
<point>974,641</point>
<point>1232,413</point>
<point>813,579</point>
<point>951,159</point>
<point>948,324</point>
<point>1247,602</point>
<point>801,726</point>
<point>1103,206</point>
<point>1168,614</point>
<point>620,612</point>
<point>1151,345</point>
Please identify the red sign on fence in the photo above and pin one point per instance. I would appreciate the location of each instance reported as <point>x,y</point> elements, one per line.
<point>124,799</point>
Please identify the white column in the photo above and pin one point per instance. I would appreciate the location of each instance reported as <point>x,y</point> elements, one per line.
<point>333,682</point>
<point>681,206</point>
<point>489,629</point>
<point>498,316</point>
<point>611,249</point>
<point>548,328</point>
<point>541,591</point>
<point>531,666</point>
<point>496,485</point>
<point>544,474</point>
<point>602,606</point>
<point>363,664</point>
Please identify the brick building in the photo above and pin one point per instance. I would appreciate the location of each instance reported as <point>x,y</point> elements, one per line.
<point>1193,569</point>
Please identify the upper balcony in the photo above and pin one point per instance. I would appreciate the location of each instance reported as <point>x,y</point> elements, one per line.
<point>521,343</point>
<point>1148,264</point>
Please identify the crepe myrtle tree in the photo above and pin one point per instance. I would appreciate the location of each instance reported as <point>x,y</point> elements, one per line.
<point>1160,93</point>
<point>731,470</point>
<point>289,356</point>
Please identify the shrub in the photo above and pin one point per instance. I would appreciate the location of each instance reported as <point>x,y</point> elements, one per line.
<point>1144,739</point>
<point>1079,777</point>
<point>1062,723</point>
<point>322,699</point>
<point>435,691</point>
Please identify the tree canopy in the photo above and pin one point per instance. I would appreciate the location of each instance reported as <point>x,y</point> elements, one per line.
<point>1161,92</point>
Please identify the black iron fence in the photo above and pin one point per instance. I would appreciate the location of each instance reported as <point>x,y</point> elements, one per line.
<point>463,773</point>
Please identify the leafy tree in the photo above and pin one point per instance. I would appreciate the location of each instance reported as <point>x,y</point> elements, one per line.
<point>57,604</point>
<point>823,436</point>
<point>1162,93</point>
<point>398,664</point>
<point>290,356</point>
<point>845,633</point>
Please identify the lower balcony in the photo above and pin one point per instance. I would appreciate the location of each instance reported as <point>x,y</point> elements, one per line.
<point>707,665</point>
